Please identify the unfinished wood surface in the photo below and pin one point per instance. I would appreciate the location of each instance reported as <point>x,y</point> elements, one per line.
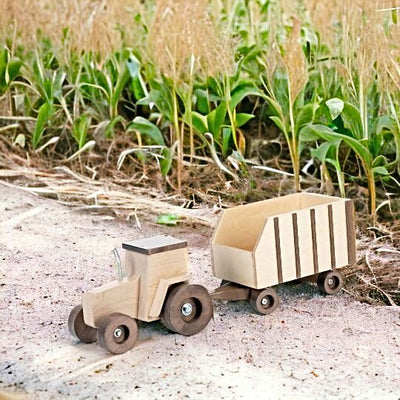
<point>265,257</point>
<point>306,254</point>
<point>286,238</point>
<point>287,247</point>
<point>234,265</point>
<point>152,269</point>
<point>340,233</point>
<point>155,244</point>
<point>351,232</point>
<point>323,238</point>
<point>231,292</point>
<point>161,293</point>
<point>112,297</point>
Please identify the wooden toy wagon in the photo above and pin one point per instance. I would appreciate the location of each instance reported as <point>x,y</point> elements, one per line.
<point>299,236</point>
<point>254,247</point>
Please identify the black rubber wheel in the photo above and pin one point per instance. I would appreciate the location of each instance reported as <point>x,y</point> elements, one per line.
<point>78,328</point>
<point>117,333</point>
<point>330,282</point>
<point>264,301</point>
<point>187,309</point>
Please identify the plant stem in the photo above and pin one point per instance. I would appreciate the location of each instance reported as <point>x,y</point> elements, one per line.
<point>372,194</point>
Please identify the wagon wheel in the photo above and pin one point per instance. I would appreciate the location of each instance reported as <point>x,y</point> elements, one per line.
<point>264,301</point>
<point>78,328</point>
<point>187,309</point>
<point>330,282</point>
<point>117,333</point>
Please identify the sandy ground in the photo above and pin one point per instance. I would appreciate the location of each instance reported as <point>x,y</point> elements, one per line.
<point>312,347</point>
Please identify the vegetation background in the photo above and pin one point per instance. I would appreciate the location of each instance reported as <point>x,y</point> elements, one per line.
<point>214,100</point>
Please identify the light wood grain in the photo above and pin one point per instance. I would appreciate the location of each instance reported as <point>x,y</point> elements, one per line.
<point>112,297</point>
<point>152,269</point>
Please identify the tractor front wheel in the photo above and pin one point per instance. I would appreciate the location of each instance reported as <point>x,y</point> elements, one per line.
<point>117,333</point>
<point>187,309</point>
<point>78,328</point>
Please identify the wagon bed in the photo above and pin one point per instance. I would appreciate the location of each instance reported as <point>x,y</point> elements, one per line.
<point>269,242</point>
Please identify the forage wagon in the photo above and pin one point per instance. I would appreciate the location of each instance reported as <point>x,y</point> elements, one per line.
<point>254,248</point>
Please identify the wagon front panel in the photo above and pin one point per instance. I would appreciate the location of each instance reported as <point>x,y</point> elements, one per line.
<point>233,264</point>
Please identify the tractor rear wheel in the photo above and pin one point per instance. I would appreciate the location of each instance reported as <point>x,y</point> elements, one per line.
<point>117,333</point>
<point>187,309</point>
<point>78,328</point>
<point>264,301</point>
<point>330,282</point>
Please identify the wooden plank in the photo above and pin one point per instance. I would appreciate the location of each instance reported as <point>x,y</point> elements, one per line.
<point>265,257</point>
<point>287,247</point>
<point>161,292</point>
<point>340,233</point>
<point>231,292</point>
<point>112,297</point>
<point>323,239</point>
<point>278,249</point>
<point>314,240</point>
<point>331,236</point>
<point>155,244</point>
<point>296,245</point>
<point>241,226</point>
<point>234,265</point>
<point>351,232</point>
<point>306,251</point>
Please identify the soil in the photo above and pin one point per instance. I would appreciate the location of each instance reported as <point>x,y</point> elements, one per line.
<point>313,346</point>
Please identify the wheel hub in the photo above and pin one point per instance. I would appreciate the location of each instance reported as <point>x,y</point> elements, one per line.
<point>265,301</point>
<point>118,333</point>
<point>187,309</point>
<point>331,282</point>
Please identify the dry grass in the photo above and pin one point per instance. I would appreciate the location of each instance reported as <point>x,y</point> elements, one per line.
<point>183,38</point>
<point>295,61</point>
<point>363,36</point>
<point>93,25</point>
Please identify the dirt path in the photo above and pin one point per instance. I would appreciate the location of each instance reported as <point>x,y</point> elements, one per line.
<point>313,347</point>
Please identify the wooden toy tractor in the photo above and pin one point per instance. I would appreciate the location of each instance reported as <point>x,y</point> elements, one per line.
<point>254,248</point>
<point>154,287</point>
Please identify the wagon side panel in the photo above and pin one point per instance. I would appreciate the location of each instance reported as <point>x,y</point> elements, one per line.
<point>265,257</point>
<point>305,237</point>
<point>339,241</point>
<point>233,265</point>
<point>322,241</point>
<point>288,250</point>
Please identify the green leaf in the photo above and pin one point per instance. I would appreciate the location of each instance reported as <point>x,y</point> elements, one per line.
<point>380,171</point>
<point>44,114</point>
<point>305,116</point>
<point>280,124</point>
<point>147,128</point>
<point>321,152</point>
<point>168,219</point>
<point>202,101</point>
<point>215,120</point>
<point>166,161</point>
<point>242,91</point>
<point>199,122</point>
<point>328,134</point>
<point>335,106</point>
<point>352,120</point>
<point>242,119</point>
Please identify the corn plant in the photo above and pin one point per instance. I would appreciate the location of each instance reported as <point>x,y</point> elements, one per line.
<point>217,111</point>
<point>347,128</point>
